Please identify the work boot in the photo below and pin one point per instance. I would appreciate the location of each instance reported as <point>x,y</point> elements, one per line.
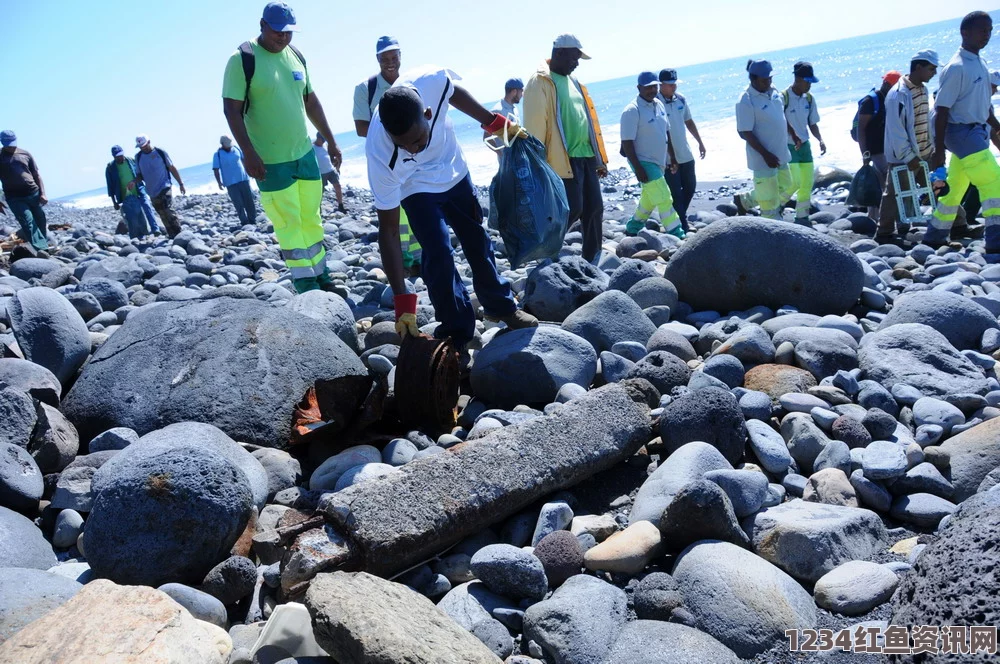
<point>935,237</point>
<point>517,320</point>
<point>677,232</point>
<point>341,209</point>
<point>803,221</point>
<point>890,238</point>
<point>966,232</point>
<point>633,227</point>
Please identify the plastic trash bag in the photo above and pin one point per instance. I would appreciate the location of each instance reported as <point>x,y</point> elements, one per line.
<point>865,188</point>
<point>528,203</point>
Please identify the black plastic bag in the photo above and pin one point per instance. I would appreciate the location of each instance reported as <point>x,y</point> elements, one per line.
<point>866,191</point>
<point>528,203</point>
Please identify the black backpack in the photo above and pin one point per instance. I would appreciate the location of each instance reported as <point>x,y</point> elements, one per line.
<point>250,64</point>
<point>372,87</point>
<point>876,101</point>
<point>163,156</point>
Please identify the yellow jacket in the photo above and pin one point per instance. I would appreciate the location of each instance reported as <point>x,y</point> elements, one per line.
<point>543,120</point>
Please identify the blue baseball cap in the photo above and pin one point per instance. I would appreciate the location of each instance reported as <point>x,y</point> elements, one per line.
<point>8,138</point>
<point>648,78</point>
<point>280,17</point>
<point>804,70</point>
<point>386,44</point>
<point>514,84</point>
<point>760,68</point>
<point>116,150</point>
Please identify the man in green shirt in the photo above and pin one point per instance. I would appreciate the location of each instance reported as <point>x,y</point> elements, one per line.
<point>268,120</point>
<point>128,194</point>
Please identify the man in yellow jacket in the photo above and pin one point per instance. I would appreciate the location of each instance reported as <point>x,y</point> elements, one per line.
<point>559,112</point>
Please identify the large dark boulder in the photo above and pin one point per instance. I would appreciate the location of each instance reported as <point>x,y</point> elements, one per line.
<point>744,262</point>
<point>711,415</point>
<point>919,356</point>
<point>609,318</point>
<point>958,318</point>
<point>49,331</point>
<point>241,365</point>
<point>167,517</point>
<point>554,290</point>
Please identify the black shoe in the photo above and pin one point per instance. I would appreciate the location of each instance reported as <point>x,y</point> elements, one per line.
<point>738,202</point>
<point>890,238</point>
<point>968,232</point>
<point>341,209</point>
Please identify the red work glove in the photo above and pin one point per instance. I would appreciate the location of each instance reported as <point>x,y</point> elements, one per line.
<point>406,314</point>
<point>501,127</point>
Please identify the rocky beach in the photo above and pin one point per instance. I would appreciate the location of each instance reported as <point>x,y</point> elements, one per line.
<point>705,444</point>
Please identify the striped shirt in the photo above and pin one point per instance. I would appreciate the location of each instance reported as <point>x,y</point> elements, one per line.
<point>921,123</point>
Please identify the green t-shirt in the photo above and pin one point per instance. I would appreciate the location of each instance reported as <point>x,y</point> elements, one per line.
<point>575,121</point>
<point>124,177</point>
<point>276,121</point>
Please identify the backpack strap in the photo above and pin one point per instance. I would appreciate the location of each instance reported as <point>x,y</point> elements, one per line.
<point>372,88</point>
<point>249,64</point>
<point>784,97</point>
<point>430,133</point>
<point>298,54</point>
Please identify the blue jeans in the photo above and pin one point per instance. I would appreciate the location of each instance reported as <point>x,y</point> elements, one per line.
<point>430,216</point>
<point>30,215</point>
<point>132,211</point>
<point>242,198</point>
<point>147,211</point>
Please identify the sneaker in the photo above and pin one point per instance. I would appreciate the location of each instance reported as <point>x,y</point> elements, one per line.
<point>803,221</point>
<point>341,209</point>
<point>633,227</point>
<point>738,202</point>
<point>518,320</point>
<point>678,233</point>
<point>966,232</point>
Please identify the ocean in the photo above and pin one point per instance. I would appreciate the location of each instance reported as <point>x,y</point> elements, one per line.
<point>847,69</point>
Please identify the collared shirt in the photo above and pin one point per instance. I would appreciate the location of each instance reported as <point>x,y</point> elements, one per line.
<point>645,122</point>
<point>965,89</point>
<point>393,173</point>
<point>362,109</point>
<point>18,173</point>
<point>230,165</point>
<point>323,159</point>
<point>153,169</point>
<point>507,109</point>
<point>921,117</point>
<point>678,112</point>
<point>800,113</point>
<point>276,119</point>
<point>763,114</point>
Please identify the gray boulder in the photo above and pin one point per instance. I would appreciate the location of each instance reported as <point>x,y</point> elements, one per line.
<point>665,371</point>
<point>110,294</point>
<point>49,331</point>
<point>28,594</point>
<point>21,482</point>
<point>187,436</point>
<point>921,357</point>
<point>555,290</point>
<point>168,516</point>
<point>242,365</point>
<point>656,642</point>
<point>579,623</point>
<point>743,601</point>
<point>22,544</point>
<point>687,464</point>
<point>629,273</point>
<point>124,270</point>
<point>654,292</point>
<point>807,539</point>
<point>972,455</point>
<point>856,587</point>
<point>31,378</point>
<point>700,511</point>
<point>712,416</point>
<point>609,318</point>
<point>510,571</point>
<point>958,318</point>
<point>530,365</point>
<point>18,416</point>
<point>672,342</point>
<point>34,268</point>
<point>331,310</point>
<point>790,265</point>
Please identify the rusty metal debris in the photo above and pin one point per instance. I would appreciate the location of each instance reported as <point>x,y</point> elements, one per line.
<point>427,383</point>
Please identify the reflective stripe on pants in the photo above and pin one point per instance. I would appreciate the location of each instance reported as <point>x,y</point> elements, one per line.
<point>979,168</point>
<point>294,212</point>
<point>408,241</point>
<point>772,188</point>
<point>656,196</point>
<point>803,175</point>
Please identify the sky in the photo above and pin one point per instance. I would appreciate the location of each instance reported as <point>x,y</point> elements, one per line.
<point>80,77</point>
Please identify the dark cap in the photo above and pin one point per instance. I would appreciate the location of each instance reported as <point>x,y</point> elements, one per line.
<point>668,76</point>
<point>804,70</point>
<point>513,84</point>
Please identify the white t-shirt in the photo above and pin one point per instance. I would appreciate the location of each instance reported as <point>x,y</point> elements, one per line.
<point>439,167</point>
<point>323,157</point>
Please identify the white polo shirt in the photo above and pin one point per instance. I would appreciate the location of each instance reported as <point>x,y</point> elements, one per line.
<point>678,112</point>
<point>439,167</point>
<point>645,122</point>
<point>800,113</point>
<point>763,114</point>
<point>965,89</point>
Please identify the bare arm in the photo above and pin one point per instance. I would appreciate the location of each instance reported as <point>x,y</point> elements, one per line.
<point>217,178</point>
<point>940,127</point>
<point>314,111</point>
<point>173,171</point>
<point>361,126</point>
<point>233,109</point>
<point>465,102</point>
<point>693,128</point>
<point>863,121</point>
<point>628,149</point>
<point>389,249</point>
<point>755,143</point>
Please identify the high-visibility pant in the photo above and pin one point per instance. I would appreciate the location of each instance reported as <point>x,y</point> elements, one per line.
<point>981,169</point>
<point>803,175</point>
<point>655,196</point>
<point>772,188</point>
<point>408,241</point>
<point>290,194</point>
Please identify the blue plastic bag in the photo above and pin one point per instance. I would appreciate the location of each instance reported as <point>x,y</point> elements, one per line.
<point>528,203</point>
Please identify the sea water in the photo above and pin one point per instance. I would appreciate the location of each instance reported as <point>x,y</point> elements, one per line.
<point>847,69</point>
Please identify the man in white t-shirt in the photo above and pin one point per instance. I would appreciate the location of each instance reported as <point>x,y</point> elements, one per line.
<point>327,171</point>
<point>415,162</point>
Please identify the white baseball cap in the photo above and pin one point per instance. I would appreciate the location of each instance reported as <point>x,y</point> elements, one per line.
<point>141,140</point>
<point>927,54</point>
<point>570,41</point>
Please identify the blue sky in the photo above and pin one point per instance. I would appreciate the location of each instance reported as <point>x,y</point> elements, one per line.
<point>82,76</point>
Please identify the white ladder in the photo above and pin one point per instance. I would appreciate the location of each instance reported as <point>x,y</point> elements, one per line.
<point>908,199</point>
